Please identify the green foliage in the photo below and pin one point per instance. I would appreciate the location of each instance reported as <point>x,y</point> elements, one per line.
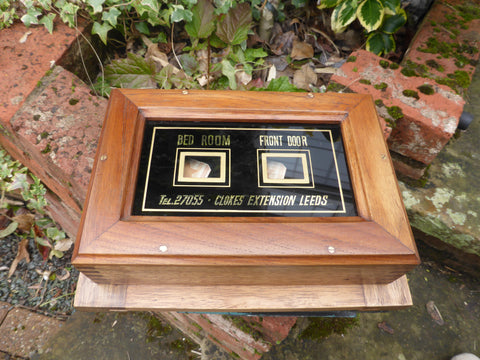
<point>15,181</point>
<point>380,19</point>
<point>233,66</point>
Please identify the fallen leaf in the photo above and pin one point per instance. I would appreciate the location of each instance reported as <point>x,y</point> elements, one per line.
<point>301,50</point>
<point>65,275</point>
<point>304,77</point>
<point>10,229</point>
<point>22,253</point>
<point>242,77</point>
<point>434,313</point>
<point>25,221</point>
<point>283,42</point>
<point>63,244</point>
<point>272,73</point>
<point>24,37</point>
<point>385,327</point>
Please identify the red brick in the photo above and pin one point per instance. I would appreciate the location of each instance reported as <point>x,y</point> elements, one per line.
<point>23,332</point>
<point>438,24</point>
<point>22,65</point>
<point>246,336</point>
<point>427,123</point>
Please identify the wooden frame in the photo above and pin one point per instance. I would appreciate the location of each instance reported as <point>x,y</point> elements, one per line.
<point>116,251</point>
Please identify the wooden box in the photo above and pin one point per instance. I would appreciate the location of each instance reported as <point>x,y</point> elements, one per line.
<point>191,206</point>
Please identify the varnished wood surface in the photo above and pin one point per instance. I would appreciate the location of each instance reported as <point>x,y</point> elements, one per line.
<point>91,297</point>
<point>112,247</point>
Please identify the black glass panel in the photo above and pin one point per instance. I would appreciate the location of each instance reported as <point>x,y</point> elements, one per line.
<point>233,169</point>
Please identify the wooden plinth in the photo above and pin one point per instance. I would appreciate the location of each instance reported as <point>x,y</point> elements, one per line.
<point>91,296</point>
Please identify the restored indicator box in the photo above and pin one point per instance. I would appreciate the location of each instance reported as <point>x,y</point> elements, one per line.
<point>243,201</point>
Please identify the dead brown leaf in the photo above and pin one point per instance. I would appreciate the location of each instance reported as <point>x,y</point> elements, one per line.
<point>434,313</point>
<point>281,43</point>
<point>65,275</point>
<point>25,221</point>
<point>22,253</point>
<point>301,50</point>
<point>305,77</point>
<point>385,327</point>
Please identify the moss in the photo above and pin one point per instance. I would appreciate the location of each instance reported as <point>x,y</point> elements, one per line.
<point>395,112</point>
<point>468,12</point>
<point>411,93</point>
<point>435,65</point>
<point>47,149</point>
<point>355,69</point>
<point>458,81</point>
<point>382,86</point>
<point>157,328</point>
<point>245,326</point>
<point>394,66</point>
<point>73,101</point>
<point>321,328</point>
<point>365,81</point>
<point>379,102</point>
<point>335,87</point>
<point>384,64</point>
<point>352,59</point>
<point>408,72</point>
<point>183,345</point>
<point>36,117</point>
<point>426,89</point>
<point>44,135</point>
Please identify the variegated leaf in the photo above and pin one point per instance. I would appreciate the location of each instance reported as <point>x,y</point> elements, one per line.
<point>370,14</point>
<point>344,14</point>
<point>393,23</point>
<point>391,6</point>
<point>380,43</point>
<point>325,4</point>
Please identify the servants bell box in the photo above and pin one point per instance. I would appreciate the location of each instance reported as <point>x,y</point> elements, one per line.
<point>243,201</point>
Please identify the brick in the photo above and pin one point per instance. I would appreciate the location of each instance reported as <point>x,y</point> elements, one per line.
<point>246,336</point>
<point>22,65</point>
<point>63,122</point>
<point>4,309</point>
<point>23,332</point>
<point>458,38</point>
<point>424,125</point>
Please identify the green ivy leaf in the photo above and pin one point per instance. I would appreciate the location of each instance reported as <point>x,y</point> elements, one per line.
<point>223,6</point>
<point>10,229</point>
<point>203,20</point>
<point>97,5</point>
<point>152,4</point>
<point>55,234</point>
<point>181,14</point>
<point>380,43</point>
<point>111,16</point>
<point>325,4</point>
<point>68,12</point>
<point>47,21</point>
<point>229,71</point>
<point>299,3</point>
<point>142,27</point>
<point>281,84</point>
<point>391,6</point>
<point>234,27</point>
<point>45,4</point>
<point>133,72</point>
<point>101,30</point>
<point>343,15</point>
<point>370,14</point>
<point>31,17</point>
<point>393,23</point>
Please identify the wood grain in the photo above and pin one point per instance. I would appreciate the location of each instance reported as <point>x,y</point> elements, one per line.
<point>92,297</point>
<point>116,249</point>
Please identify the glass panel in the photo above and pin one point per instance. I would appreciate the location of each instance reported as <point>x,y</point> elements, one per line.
<point>233,169</point>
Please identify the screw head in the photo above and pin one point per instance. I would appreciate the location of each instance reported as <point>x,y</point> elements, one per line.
<point>163,248</point>
<point>331,249</point>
